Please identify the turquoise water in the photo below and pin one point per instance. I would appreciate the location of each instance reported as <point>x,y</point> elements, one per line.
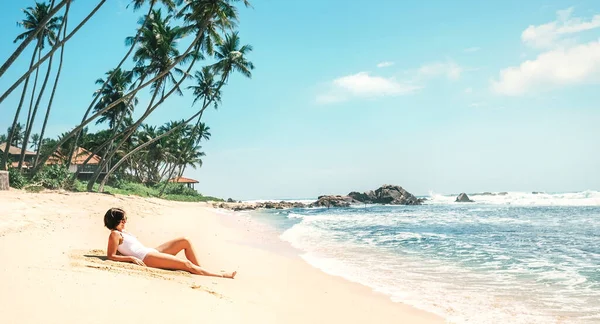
<point>519,258</point>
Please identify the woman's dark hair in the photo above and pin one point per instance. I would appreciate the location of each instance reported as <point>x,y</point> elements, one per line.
<point>113,217</point>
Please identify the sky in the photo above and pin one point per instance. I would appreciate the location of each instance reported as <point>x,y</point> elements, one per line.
<point>434,96</point>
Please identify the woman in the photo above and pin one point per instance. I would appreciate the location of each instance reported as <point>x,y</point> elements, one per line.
<point>162,257</point>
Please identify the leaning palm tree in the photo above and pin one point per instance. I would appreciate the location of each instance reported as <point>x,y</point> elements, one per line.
<point>38,23</point>
<point>155,55</point>
<point>51,100</point>
<point>234,60</point>
<point>31,36</point>
<point>116,87</point>
<point>49,35</point>
<point>52,50</point>
<point>137,4</point>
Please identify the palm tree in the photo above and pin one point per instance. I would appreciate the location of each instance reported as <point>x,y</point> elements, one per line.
<point>51,100</point>
<point>232,57</point>
<point>38,23</point>
<point>137,4</point>
<point>17,132</point>
<point>47,35</point>
<point>155,56</point>
<point>35,140</point>
<point>51,52</point>
<point>31,36</point>
<point>234,60</point>
<point>116,86</point>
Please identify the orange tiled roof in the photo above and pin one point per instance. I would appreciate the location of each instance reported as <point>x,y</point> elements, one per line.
<point>79,156</point>
<point>183,180</point>
<point>14,150</point>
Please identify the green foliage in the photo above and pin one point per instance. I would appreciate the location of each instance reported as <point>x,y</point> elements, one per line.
<point>54,176</point>
<point>174,191</point>
<point>16,179</point>
<point>177,189</point>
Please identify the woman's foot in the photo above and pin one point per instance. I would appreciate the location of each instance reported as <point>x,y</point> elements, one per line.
<point>229,275</point>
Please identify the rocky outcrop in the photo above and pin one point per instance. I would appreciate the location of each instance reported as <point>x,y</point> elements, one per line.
<point>463,198</point>
<point>334,201</point>
<point>240,206</point>
<point>387,194</point>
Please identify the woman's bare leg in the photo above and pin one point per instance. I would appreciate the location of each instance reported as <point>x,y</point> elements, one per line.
<point>168,261</point>
<point>174,246</point>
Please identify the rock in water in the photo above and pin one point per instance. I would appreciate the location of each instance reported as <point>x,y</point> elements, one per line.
<point>463,198</point>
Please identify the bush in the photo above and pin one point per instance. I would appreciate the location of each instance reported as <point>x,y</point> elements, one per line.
<point>54,176</point>
<point>16,179</point>
<point>177,189</point>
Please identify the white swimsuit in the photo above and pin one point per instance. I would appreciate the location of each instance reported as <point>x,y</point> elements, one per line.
<point>132,247</point>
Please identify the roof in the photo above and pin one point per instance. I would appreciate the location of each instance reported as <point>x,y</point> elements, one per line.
<point>183,180</point>
<point>79,157</point>
<point>14,150</point>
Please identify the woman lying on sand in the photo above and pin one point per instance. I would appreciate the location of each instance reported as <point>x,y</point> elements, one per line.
<point>162,257</point>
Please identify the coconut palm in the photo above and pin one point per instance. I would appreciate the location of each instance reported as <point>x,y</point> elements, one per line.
<point>32,35</point>
<point>37,22</point>
<point>232,58</point>
<point>155,56</point>
<point>51,100</point>
<point>116,86</point>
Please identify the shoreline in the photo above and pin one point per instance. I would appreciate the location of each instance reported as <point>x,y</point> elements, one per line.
<point>61,239</point>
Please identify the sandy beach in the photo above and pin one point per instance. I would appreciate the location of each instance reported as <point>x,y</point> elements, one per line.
<point>53,269</point>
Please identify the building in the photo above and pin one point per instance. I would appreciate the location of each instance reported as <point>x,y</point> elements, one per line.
<point>77,163</point>
<point>189,182</point>
<point>14,154</point>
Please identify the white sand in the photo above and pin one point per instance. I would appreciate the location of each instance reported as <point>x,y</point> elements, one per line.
<point>51,270</point>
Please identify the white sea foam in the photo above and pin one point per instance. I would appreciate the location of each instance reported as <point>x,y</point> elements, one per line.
<point>501,285</point>
<point>582,198</point>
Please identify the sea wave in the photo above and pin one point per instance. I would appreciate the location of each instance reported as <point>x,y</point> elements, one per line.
<point>581,198</point>
<point>521,264</point>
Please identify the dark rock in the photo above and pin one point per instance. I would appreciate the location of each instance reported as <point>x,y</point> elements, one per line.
<point>334,201</point>
<point>463,198</point>
<point>387,194</point>
<point>229,200</point>
<point>502,193</point>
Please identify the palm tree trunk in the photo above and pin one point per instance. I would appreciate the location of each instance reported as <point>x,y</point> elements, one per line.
<point>137,36</point>
<point>54,48</point>
<point>33,90</point>
<point>34,113</point>
<point>31,37</point>
<point>16,119</point>
<point>60,64</point>
<point>112,105</point>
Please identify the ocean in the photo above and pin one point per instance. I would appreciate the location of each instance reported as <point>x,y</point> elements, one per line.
<point>514,258</point>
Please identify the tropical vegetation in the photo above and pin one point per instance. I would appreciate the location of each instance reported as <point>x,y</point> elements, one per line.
<point>133,152</point>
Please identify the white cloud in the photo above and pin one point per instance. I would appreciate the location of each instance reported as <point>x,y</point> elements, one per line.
<point>385,64</point>
<point>577,64</point>
<point>471,49</point>
<point>449,69</point>
<point>364,85</point>
<point>469,90</point>
<point>555,33</point>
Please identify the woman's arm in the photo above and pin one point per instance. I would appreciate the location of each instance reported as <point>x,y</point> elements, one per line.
<point>111,250</point>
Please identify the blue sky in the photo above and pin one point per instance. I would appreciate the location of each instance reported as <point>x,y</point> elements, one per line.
<point>442,96</point>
